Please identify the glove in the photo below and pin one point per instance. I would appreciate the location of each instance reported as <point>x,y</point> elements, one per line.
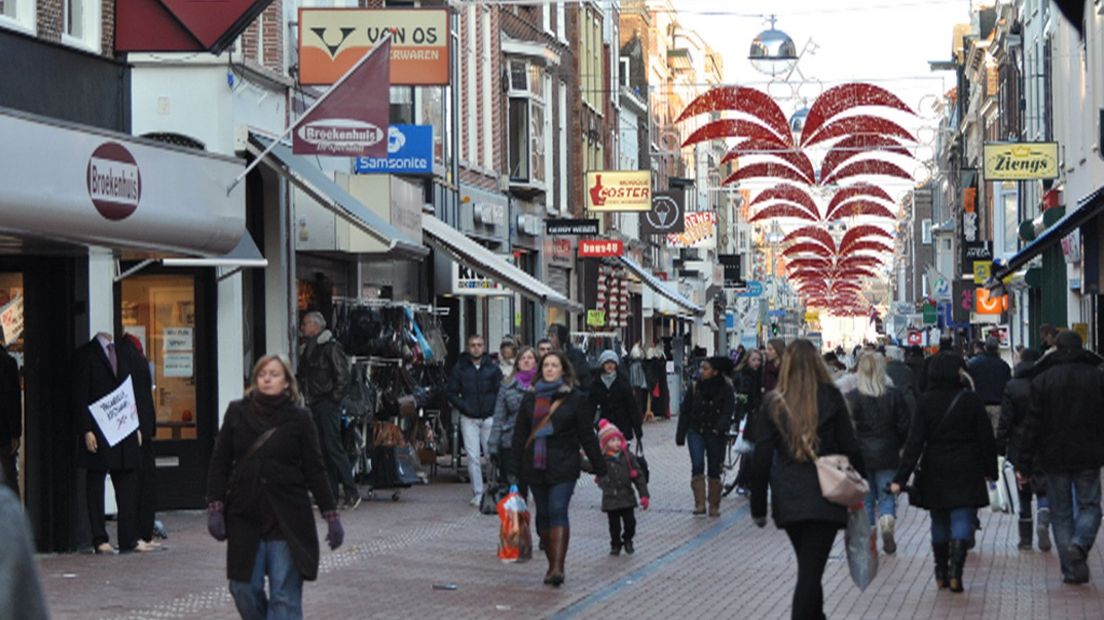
<point>216,522</point>
<point>759,521</point>
<point>680,441</point>
<point>644,502</point>
<point>335,534</point>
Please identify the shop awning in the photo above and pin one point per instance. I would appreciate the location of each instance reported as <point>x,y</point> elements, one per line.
<point>245,255</point>
<point>305,175</point>
<point>660,287</point>
<point>1087,208</point>
<point>479,258</point>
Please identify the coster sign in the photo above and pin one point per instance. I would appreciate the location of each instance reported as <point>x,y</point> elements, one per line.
<point>114,181</point>
<point>1023,161</point>
<point>619,190</point>
<point>600,248</point>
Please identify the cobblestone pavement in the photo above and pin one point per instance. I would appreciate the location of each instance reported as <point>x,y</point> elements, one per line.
<point>396,552</point>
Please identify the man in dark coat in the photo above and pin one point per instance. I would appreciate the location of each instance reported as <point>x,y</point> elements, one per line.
<point>613,398</point>
<point>473,391</point>
<point>1014,407</point>
<point>1064,436</point>
<point>560,338</point>
<point>324,378</point>
<point>901,375</point>
<point>990,374</point>
<point>98,370</point>
<point>11,418</point>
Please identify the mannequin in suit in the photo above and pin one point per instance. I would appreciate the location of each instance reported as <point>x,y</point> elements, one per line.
<point>99,368</point>
<point>147,422</point>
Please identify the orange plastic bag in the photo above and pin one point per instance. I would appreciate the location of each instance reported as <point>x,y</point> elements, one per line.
<point>515,542</point>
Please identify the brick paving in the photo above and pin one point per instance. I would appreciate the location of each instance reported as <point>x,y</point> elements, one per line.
<point>395,552</point>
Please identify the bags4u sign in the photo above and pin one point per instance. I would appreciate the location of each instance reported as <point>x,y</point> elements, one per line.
<point>601,248</point>
<point>1021,161</point>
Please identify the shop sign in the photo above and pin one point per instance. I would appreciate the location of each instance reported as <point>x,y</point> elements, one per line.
<point>1021,161</point>
<point>700,231</point>
<point>601,248</point>
<point>561,252</point>
<point>466,281</point>
<point>983,270</point>
<point>179,364</point>
<point>732,275</point>
<point>333,40</point>
<point>177,338</point>
<point>114,181</point>
<point>974,251</point>
<point>11,320</point>
<point>930,314</point>
<point>570,227</point>
<point>116,413</point>
<point>984,303</point>
<point>596,318</point>
<point>754,288</point>
<point>1071,247</point>
<point>409,151</point>
<point>915,338</point>
<point>666,215</point>
<point>619,190</point>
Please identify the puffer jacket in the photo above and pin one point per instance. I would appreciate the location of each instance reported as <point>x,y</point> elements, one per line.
<point>1065,425</point>
<point>1014,407</point>
<point>323,369</point>
<point>881,425</point>
<point>506,411</point>
<point>617,485</point>
<point>473,391</point>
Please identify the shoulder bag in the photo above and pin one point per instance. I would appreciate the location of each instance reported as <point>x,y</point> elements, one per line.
<point>641,462</point>
<point>912,487</point>
<point>233,482</point>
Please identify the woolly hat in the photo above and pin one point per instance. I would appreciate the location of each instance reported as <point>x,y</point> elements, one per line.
<point>606,431</point>
<point>608,356</point>
<point>720,363</point>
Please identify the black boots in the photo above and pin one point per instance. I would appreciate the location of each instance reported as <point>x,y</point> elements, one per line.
<point>941,551</point>
<point>957,562</point>
<point>557,551</point>
<point>1026,529</point>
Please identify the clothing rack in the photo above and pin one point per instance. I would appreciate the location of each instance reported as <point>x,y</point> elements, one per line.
<point>391,303</point>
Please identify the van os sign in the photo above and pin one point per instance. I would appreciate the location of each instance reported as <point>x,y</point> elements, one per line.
<point>114,181</point>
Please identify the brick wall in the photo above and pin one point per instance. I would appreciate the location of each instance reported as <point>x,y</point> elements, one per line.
<point>476,172</point>
<point>107,28</point>
<point>48,18</point>
<point>273,43</point>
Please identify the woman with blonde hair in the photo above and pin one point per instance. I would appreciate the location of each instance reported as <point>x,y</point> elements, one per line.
<point>803,419</point>
<point>266,458</point>
<point>881,418</point>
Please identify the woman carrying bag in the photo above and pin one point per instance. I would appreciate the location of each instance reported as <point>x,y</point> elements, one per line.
<point>805,418</point>
<point>556,421</point>
<point>952,449</point>
<point>514,388</point>
<point>266,459</point>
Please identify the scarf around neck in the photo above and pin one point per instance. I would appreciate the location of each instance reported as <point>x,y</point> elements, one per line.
<point>542,408</point>
<point>265,405</point>
<point>525,377</point>
<point>609,378</point>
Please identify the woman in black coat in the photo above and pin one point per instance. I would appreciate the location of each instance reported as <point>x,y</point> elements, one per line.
<point>265,461</point>
<point>555,421</point>
<point>749,398</point>
<point>955,436</point>
<point>613,399</point>
<point>704,418</point>
<point>803,419</point>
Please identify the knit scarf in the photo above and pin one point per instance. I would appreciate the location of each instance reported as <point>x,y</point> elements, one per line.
<point>525,377</point>
<point>542,408</point>
<point>608,378</point>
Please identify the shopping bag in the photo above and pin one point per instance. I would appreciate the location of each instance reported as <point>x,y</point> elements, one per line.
<point>998,501</point>
<point>515,543</point>
<point>861,543</point>
<point>743,446</point>
<point>494,493</point>
<point>1006,485</point>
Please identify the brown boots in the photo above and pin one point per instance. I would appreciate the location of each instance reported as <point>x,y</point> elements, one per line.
<point>715,489</point>
<point>697,484</point>
<point>556,550</point>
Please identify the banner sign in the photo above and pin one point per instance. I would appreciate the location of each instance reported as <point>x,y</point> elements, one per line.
<point>700,231</point>
<point>333,40</point>
<point>117,413</point>
<point>619,190</point>
<point>409,151</point>
<point>11,320</point>
<point>666,216</point>
<point>467,281</point>
<point>570,227</point>
<point>600,248</point>
<point>1021,161</point>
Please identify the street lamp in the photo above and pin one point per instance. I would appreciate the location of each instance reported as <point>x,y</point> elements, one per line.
<point>773,52</point>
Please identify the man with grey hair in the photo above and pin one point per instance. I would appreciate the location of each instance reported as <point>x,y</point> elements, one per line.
<point>324,381</point>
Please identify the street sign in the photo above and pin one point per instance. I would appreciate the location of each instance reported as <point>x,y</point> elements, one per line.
<point>571,227</point>
<point>754,288</point>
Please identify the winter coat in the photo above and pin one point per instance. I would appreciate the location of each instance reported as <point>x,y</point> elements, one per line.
<point>617,485</point>
<point>92,380</point>
<point>749,384</point>
<point>770,375</point>
<point>903,379</point>
<point>323,369</point>
<point>1015,404</point>
<point>881,425</point>
<point>572,429</point>
<point>281,472</point>
<point>1065,424</point>
<point>990,374</point>
<point>708,409</point>
<point>473,391</point>
<point>617,403</point>
<point>584,378</point>
<point>507,406</point>
<point>958,449</point>
<point>795,488</point>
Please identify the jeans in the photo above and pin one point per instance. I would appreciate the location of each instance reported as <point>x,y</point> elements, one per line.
<point>626,516</point>
<point>476,433</point>
<point>811,540</point>
<point>327,416</point>
<point>552,501</point>
<point>705,449</point>
<point>953,524</point>
<point>1063,489</point>
<point>886,501</point>
<point>285,585</point>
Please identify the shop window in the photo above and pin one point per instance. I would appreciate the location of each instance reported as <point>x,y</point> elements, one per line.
<point>160,311</point>
<point>402,106</point>
<point>925,231</point>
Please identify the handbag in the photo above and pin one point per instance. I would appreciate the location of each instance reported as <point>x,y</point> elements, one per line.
<point>641,462</point>
<point>861,544</point>
<point>840,483</point>
<point>912,487</point>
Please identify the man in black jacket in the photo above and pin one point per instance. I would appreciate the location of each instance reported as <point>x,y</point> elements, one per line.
<point>11,418</point>
<point>324,378</point>
<point>1064,436</point>
<point>472,390</point>
<point>1014,407</point>
<point>990,374</point>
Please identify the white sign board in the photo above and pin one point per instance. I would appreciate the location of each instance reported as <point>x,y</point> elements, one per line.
<point>117,413</point>
<point>11,319</point>
<point>467,281</point>
<point>177,338</point>
<point>178,365</point>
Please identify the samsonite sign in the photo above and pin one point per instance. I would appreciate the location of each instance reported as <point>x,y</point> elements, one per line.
<point>619,190</point>
<point>331,41</point>
<point>1020,161</point>
<point>409,151</point>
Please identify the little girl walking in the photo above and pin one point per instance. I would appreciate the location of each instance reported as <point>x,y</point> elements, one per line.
<point>618,498</point>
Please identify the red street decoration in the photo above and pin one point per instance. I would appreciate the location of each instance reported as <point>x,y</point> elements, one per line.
<point>853,146</point>
<point>600,248</point>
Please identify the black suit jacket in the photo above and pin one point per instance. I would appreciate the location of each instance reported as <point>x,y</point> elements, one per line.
<point>92,380</point>
<point>143,388</point>
<point>11,403</point>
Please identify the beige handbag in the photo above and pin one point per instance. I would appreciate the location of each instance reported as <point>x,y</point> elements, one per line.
<point>839,482</point>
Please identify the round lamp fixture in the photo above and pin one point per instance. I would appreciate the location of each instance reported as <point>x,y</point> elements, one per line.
<point>773,52</point>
